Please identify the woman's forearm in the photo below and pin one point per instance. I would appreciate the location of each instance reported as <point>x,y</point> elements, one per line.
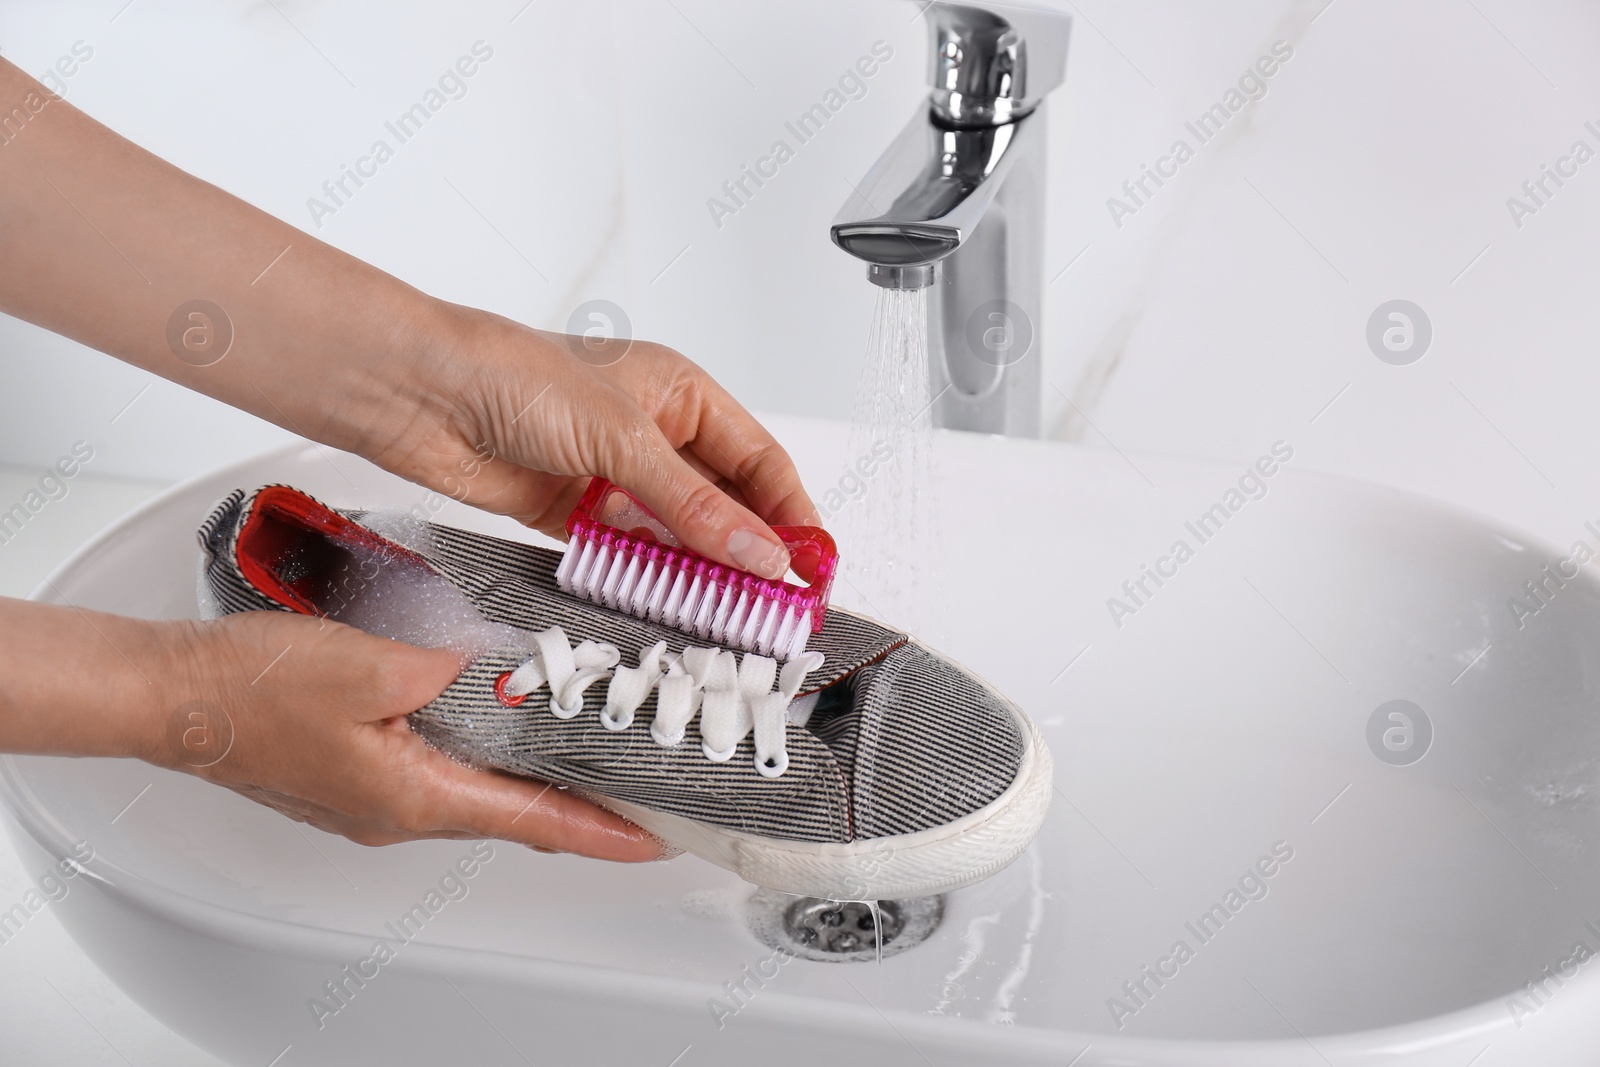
<point>81,683</point>
<point>112,246</point>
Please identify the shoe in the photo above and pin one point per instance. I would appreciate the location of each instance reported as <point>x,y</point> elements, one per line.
<point>867,768</point>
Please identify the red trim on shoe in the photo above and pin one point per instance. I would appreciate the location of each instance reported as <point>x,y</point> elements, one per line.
<point>279,520</point>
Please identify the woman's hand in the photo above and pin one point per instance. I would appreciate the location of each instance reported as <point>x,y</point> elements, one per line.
<point>514,420</point>
<point>307,717</point>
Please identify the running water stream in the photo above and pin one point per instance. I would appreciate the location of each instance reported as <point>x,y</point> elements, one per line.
<point>889,534</point>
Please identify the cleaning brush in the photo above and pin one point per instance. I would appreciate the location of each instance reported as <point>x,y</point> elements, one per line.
<point>621,556</point>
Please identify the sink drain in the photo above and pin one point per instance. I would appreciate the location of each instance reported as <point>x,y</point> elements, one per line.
<point>841,931</point>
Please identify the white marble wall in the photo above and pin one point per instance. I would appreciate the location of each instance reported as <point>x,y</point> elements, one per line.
<point>508,198</point>
<point>1226,312</point>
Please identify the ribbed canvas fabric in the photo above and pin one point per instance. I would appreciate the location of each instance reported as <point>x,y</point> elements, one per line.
<point>913,709</point>
<point>902,741</point>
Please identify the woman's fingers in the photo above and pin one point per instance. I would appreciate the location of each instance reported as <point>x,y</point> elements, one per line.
<point>703,517</point>
<point>538,421</point>
<point>435,797</point>
<point>462,802</point>
<point>729,440</point>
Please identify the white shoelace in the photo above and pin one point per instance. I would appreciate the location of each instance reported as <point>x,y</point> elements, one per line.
<point>733,695</point>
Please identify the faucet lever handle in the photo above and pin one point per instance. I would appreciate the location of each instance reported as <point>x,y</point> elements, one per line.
<point>992,64</point>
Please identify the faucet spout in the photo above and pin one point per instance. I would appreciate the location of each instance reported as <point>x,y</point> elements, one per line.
<point>958,199</point>
<point>935,186</point>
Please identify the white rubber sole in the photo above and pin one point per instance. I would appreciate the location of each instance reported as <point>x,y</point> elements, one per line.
<point>919,864</point>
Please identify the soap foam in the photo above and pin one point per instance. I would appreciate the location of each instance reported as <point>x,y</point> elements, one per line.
<point>205,597</point>
<point>401,526</point>
<point>392,594</point>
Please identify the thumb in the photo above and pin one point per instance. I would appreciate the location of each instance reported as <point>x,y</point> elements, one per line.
<point>397,678</point>
<point>706,519</point>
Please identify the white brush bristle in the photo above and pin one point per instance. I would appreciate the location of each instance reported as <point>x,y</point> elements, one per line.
<point>627,581</point>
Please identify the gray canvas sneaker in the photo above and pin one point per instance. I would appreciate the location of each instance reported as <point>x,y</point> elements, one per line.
<point>869,767</point>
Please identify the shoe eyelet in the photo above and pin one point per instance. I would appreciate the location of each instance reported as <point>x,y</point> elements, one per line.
<point>718,757</point>
<point>504,697</point>
<point>772,767</point>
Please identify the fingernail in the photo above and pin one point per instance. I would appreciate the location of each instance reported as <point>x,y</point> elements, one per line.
<point>758,554</point>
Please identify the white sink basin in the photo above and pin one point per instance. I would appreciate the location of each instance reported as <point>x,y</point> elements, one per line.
<point>1225,718</point>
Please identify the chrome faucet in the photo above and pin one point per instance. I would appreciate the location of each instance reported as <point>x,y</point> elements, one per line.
<point>958,200</point>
